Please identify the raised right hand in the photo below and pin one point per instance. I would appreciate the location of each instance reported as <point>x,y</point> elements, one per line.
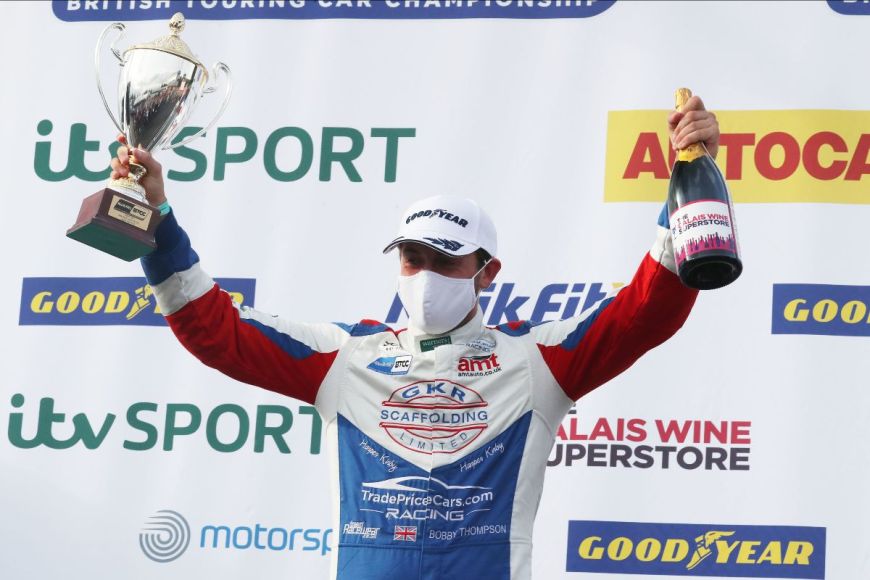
<point>153,180</point>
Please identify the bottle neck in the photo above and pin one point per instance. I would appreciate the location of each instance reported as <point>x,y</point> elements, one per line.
<point>691,152</point>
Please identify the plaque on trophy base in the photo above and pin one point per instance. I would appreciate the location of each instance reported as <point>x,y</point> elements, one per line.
<point>117,224</point>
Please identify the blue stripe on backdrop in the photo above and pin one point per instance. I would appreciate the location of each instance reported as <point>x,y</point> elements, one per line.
<point>76,11</point>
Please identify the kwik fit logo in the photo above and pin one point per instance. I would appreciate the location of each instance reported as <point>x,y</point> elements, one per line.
<point>696,549</point>
<point>104,301</point>
<point>504,302</point>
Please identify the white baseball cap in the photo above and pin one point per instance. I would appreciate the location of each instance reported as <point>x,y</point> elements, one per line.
<point>452,225</point>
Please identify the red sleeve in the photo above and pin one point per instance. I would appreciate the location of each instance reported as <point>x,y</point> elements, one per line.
<point>291,359</point>
<point>586,352</point>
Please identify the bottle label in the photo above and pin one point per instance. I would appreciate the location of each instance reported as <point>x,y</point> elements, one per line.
<point>702,226</point>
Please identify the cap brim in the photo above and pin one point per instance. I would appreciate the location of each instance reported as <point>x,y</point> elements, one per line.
<point>447,246</point>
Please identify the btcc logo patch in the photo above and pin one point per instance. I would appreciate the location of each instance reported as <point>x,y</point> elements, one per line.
<point>391,365</point>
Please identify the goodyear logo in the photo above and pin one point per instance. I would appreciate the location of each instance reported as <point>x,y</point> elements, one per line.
<point>104,301</point>
<point>850,7</point>
<point>766,156</point>
<point>821,309</point>
<point>696,549</point>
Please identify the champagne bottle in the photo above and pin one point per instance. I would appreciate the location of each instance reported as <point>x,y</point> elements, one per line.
<point>701,218</point>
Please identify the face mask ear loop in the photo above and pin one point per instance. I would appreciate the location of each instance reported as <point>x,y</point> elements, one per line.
<point>477,292</point>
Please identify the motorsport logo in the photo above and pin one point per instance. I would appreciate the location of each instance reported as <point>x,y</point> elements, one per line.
<point>501,303</point>
<point>766,156</point>
<point>696,549</point>
<point>628,443</point>
<point>85,10</point>
<point>166,536</point>
<point>104,301</point>
<point>425,498</point>
<point>437,416</point>
<point>228,428</point>
<point>288,153</point>
<point>821,309</point>
<point>391,365</point>
<point>478,366</point>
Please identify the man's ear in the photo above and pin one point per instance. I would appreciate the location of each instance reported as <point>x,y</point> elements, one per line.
<point>488,274</point>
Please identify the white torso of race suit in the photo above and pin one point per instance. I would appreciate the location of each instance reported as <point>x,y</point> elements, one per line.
<point>441,452</point>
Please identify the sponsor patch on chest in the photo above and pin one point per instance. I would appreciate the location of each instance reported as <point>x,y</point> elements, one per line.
<point>478,366</point>
<point>437,416</point>
<point>391,365</point>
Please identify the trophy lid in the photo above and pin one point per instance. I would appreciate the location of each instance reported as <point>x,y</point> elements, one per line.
<point>172,42</point>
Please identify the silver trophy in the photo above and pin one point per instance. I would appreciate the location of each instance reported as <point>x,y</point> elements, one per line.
<point>160,84</point>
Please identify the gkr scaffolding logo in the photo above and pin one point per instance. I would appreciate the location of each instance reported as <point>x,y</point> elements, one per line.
<point>165,537</point>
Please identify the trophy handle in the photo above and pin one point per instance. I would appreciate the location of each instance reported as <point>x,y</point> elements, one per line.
<point>219,66</point>
<point>120,28</point>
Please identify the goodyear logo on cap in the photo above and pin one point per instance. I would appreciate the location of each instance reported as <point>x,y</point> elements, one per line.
<point>696,549</point>
<point>821,309</point>
<point>104,301</point>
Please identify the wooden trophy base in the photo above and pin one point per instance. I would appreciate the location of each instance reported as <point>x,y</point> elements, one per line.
<point>117,224</point>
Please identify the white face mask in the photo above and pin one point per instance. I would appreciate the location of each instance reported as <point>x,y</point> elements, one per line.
<point>436,303</point>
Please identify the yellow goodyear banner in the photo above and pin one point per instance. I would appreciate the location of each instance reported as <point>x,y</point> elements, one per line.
<point>820,156</point>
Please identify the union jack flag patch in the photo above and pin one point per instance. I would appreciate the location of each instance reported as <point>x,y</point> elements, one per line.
<point>405,533</point>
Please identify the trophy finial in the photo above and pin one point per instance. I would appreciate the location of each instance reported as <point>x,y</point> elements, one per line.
<point>176,24</point>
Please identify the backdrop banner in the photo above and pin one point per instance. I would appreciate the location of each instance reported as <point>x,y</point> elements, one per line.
<point>734,450</point>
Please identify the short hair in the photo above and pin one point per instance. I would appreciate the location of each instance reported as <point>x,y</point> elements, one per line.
<point>482,257</point>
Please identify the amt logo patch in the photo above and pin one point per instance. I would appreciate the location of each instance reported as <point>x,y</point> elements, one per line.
<point>391,365</point>
<point>821,309</point>
<point>478,366</point>
<point>104,301</point>
<point>696,549</point>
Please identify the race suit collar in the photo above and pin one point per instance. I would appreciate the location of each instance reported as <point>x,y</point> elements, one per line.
<point>419,341</point>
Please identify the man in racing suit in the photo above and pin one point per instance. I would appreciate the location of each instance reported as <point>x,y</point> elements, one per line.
<point>439,433</point>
